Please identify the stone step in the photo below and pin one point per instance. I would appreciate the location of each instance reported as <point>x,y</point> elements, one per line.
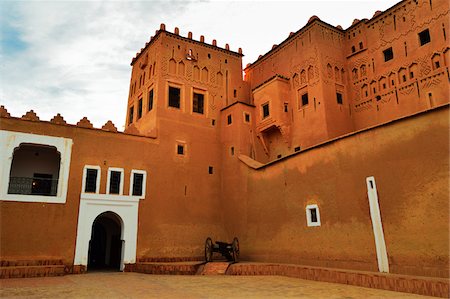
<point>214,268</point>
<point>31,271</point>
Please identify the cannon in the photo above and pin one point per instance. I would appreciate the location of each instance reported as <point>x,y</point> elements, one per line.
<point>229,250</point>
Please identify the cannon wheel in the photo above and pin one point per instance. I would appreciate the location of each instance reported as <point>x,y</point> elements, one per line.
<point>235,247</point>
<point>208,249</point>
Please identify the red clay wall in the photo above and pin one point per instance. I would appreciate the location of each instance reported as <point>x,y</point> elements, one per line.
<point>172,222</point>
<point>409,160</point>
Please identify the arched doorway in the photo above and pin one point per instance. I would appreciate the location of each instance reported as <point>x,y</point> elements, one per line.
<point>105,246</point>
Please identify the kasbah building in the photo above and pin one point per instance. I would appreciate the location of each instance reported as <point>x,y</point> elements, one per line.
<point>327,157</point>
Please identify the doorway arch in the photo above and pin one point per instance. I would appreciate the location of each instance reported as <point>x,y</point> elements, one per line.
<point>106,243</point>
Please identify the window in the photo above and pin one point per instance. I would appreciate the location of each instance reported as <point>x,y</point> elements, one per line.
<point>360,45</point>
<point>91,180</point>
<point>339,98</point>
<point>198,103</point>
<point>305,100</point>
<point>388,54</point>
<point>232,150</point>
<point>265,110</point>
<point>32,162</point>
<point>353,49</point>
<point>246,117</point>
<point>210,170</point>
<point>180,149</point>
<point>138,181</point>
<point>114,184</point>
<point>312,215</point>
<point>411,75</point>
<point>34,170</point>
<point>424,37</point>
<point>229,119</point>
<point>139,115</point>
<point>174,97</point>
<point>150,100</point>
<point>130,115</point>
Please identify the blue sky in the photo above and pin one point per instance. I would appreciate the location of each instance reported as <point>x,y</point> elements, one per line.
<point>73,57</point>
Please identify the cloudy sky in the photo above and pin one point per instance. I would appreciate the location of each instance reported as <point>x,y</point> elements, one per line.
<point>73,57</point>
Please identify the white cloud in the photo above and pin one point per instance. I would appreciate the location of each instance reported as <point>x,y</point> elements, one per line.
<point>77,54</point>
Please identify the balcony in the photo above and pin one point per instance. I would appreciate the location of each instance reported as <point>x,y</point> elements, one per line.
<point>33,186</point>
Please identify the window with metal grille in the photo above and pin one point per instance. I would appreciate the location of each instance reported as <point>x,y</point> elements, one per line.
<point>138,180</point>
<point>114,182</point>
<point>91,181</point>
<point>198,103</point>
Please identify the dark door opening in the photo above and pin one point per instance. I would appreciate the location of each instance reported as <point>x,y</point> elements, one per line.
<point>105,246</point>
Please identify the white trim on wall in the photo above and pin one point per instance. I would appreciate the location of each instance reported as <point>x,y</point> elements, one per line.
<point>144,182</point>
<point>375,215</point>
<point>121,179</point>
<point>97,184</point>
<point>10,140</point>
<point>91,206</point>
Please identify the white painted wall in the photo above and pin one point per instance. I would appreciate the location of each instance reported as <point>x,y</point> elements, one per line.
<point>91,206</point>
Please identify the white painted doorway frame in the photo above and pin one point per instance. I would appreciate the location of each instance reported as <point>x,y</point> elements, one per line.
<point>91,206</point>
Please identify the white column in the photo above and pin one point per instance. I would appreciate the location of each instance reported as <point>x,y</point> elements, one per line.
<point>383,263</point>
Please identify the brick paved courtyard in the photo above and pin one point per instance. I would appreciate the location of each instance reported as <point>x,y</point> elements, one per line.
<point>135,285</point>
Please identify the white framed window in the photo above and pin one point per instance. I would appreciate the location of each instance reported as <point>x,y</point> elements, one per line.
<point>114,183</point>
<point>35,182</point>
<point>312,215</point>
<point>91,179</point>
<point>138,180</point>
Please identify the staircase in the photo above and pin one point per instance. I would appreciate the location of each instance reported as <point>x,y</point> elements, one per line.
<point>213,268</point>
<point>31,268</point>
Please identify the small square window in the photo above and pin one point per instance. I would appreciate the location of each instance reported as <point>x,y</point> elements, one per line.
<point>174,97</point>
<point>424,37</point>
<point>150,100</point>
<point>297,149</point>
<point>198,102</point>
<point>91,181</point>
<point>210,170</point>
<point>265,110</point>
<point>246,117</point>
<point>229,119</point>
<point>180,149</point>
<point>139,112</point>
<point>312,215</point>
<point>388,54</point>
<point>339,98</point>
<point>305,100</point>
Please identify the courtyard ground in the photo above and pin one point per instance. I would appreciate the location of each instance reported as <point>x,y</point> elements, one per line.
<point>136,285</point>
